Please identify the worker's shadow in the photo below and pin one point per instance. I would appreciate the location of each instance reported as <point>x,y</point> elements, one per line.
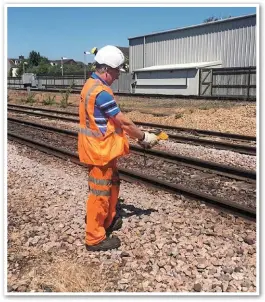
<point>127,210</point>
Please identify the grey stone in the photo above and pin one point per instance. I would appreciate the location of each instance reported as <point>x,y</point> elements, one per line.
<point>197,287</point>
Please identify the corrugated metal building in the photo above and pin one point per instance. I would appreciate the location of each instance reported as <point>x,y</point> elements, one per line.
<point>167,62</point>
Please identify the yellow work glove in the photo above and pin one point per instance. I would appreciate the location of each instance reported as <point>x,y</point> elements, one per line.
<point>149,140</point>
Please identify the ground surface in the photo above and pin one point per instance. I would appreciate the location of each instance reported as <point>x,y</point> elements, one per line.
<point>217,115</point>
<point>169,243</point>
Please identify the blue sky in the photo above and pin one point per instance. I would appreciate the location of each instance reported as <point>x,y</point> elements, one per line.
<point>69,31</point>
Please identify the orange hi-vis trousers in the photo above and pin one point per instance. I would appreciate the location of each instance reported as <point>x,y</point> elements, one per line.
<point>104,185</point>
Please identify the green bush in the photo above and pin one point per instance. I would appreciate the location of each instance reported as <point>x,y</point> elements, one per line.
<point>50,100</point>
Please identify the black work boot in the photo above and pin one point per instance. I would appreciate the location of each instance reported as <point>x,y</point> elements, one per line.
<point>115,225</point>
<point>107,244</point>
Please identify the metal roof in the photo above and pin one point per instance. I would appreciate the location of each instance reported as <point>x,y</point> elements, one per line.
<point>180,66</point>
<point>193,26</point>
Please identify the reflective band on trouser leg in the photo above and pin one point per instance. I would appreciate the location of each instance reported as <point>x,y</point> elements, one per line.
<point>115,189</point>
<point>103,182</point>
<point>97,206</point>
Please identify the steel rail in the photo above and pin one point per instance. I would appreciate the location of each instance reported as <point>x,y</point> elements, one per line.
<point>128,175</point>
<point>64,88</point>
<point>64,118</point>
<point>222,145</point>
<point>199,131</point>
<point>152,125</point>
<point>245,149</point>
<point>42,109</point>
<point>233,172</point>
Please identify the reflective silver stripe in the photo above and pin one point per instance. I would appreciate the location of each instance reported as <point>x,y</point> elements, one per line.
<point>87,98</point>
<point>91,133</point>
<point>103,182</point>
<point>99,192</point>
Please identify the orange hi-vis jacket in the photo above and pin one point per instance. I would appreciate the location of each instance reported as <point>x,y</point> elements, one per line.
<point>94,148</point>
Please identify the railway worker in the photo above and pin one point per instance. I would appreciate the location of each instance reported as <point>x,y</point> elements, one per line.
<point>101,140</point>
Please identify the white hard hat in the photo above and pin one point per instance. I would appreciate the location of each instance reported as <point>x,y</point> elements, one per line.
<point>111,56</point>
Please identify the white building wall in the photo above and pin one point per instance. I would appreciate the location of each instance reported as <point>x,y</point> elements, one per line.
<point>171,82</point>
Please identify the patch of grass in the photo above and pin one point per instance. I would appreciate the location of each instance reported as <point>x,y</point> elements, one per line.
<point>64,101</point>
<point>49,101</point>
<point>65,96</point>
<point>63,275</point>
<point>30,98</point>
<point>203,107</point>
<point>160,114</point>
<point>178,115</point>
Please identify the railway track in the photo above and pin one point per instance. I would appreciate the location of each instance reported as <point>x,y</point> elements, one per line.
<point>52,146</point>
<point>189,136</point>
<point>224,170</point>
<point>77,90</point>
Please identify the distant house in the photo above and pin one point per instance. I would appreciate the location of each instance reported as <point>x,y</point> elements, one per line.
<point>65,61</point>
<point>80,63</point>
<point>14,63</point>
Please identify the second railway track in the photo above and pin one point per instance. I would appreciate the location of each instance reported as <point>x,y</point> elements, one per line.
<point>190,137</point>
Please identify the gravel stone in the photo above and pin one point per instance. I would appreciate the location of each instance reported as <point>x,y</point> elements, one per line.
<point>160,252</point>
<point>250,239</point>
<point>197,287</point>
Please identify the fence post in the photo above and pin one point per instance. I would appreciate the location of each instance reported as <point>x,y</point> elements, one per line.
<point>200,81</point>
<point>211,82</point>
<point>249,73</point>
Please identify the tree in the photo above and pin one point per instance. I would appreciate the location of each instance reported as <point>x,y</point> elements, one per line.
<point>210,19</point>
<point>43,68</point>
<point>20,68</point>
<point>126,64</point>
<point>10,74</point>
<point>91,66</point>
<point>44,60</point>
<point>213,18</point>
<point>34,58</point>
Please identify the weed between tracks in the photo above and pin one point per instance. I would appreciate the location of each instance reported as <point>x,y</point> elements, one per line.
<point>65,95</point>
<point>50,100</point>
<point>30,99</point>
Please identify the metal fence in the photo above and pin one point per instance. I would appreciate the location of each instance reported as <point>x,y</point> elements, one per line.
<point>213,82</point>
<point>76,82</point>
<point>228,82</point>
